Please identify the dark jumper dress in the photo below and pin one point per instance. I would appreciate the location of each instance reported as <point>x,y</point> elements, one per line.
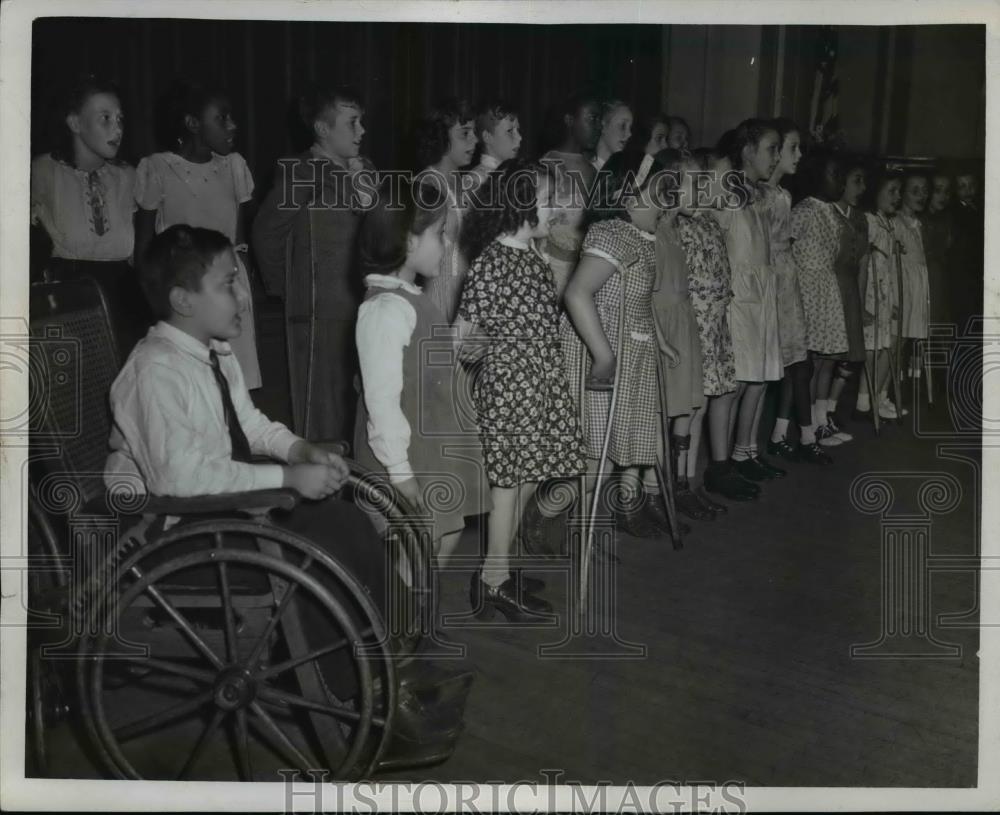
<point>445,452</point>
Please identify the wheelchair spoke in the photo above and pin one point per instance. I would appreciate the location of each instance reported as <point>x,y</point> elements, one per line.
<point>166,666</point>
<point>288,664</point>
<point>243,746</point>
<point>277,696</point>
<point>276,738</point>
<point>258,647</point>
<point>227,605</point>
<point>199,748</point>
<point>130,731</point>
<point>186,626</point>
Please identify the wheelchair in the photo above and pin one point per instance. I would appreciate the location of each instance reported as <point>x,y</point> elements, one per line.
<point>200,638</point>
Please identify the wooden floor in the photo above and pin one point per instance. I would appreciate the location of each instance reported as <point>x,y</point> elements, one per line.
<point>744,671</point>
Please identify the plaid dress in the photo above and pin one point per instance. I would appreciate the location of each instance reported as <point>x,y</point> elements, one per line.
<point>636,422</point>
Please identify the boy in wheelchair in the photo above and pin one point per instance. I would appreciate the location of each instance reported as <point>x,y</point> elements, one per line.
<point>185,426</point>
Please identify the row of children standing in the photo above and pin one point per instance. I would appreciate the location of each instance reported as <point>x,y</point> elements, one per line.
<point>560,292</point>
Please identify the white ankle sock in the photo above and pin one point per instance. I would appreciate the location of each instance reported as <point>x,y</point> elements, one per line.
<point>741,453</point>
<point>495,574</point>
<point>780,430</point>
<point>809,434</point>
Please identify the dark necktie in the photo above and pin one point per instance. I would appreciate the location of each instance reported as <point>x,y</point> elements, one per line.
<point>241,447</point>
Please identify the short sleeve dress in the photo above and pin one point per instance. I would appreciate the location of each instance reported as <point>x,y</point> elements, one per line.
<point>816,242</point>
<point>916,291</point>
<point>753,311</point>
<point>206,195</point>
<point>776,205</point>
<point>710,288</point>
<point>526,413</point>
<point>636,426</point>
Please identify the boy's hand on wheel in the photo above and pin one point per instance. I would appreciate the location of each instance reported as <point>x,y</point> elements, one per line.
<point>314,481</point>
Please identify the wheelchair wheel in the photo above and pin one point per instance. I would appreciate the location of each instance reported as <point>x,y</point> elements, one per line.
<point>227,650</point>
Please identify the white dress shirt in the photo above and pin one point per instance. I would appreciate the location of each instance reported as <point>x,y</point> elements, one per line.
<point>385,327</point>
<point>170,427</point>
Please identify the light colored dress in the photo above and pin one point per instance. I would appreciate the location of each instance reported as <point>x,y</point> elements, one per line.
<point>673,312</point>
<point>776,205</point>
<point>881,283</point>
<point>916,289</point>
<point>816,244</point>
<point>753,311</point>
<point>636,427</point>
<point>209,196</point>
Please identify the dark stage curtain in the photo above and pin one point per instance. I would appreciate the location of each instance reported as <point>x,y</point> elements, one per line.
<point>400,69</point>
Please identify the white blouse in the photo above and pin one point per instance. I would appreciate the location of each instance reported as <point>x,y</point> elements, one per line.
<point>88,215</point>
<point>385,327</point>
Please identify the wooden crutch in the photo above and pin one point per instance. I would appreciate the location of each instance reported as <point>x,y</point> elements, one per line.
<point>895,356</point>
<point>872,375</point>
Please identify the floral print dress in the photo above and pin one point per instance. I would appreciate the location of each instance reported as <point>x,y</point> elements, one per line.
<point>526,414</point>
<point>816,236</point>
<point>709,286</point>
<point>776,206</point>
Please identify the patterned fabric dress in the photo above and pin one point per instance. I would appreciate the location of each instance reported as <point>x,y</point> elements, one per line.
<point>916,292</point>
<point>881,284</point>
<point>816,236</point>
<point>527,415</point>
<point>753,311</point>
<point>853,248</point>
<point>776,205</point>
<point>636,426</point>
<point>709,286</point>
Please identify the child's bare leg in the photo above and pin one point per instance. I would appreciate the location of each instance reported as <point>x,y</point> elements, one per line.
<point>500,535</point>
<point>753,392</point>
<point>734,411</point>
<point>446,545</point>
<point>694,430</point>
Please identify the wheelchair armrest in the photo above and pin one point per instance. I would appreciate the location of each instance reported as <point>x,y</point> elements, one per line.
<point>254,500</point>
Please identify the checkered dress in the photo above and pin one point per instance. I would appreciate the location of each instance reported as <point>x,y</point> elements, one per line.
<point>636,422</point>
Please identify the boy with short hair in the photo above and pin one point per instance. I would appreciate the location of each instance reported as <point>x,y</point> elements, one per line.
<point>184,424</point>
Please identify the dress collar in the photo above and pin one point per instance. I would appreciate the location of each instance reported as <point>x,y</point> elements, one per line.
<point>188,344</point>
<point>488,163</point>
<point>391,282</point>
<point>513,243</point>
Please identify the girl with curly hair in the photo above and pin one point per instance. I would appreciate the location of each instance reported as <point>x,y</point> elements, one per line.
<point>508,317</point>
<point>446,143</point>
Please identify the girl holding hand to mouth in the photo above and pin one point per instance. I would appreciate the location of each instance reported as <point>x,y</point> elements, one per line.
<point>446,143</point>
<point>201,182</point>
<point>81,195</point>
